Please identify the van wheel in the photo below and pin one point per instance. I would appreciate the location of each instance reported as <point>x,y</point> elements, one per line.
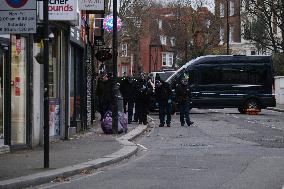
<point>252,105</point>
<point>242,110</point>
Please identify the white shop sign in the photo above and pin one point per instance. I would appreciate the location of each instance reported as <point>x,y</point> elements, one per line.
<point>17,17</point>
<point>60,10</point>
<point>91,5</point>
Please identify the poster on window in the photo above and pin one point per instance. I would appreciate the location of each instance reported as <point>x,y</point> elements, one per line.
<point>54,117</point>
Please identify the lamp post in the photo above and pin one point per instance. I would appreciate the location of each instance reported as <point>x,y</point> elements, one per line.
<point>114,59</point>
<point>228,27</point>
<point>46,85</point>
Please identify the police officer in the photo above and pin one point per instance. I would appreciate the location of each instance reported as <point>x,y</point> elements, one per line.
<point>128,91</point>
<point>183,97</point>
<point>123,91</point>
<point>163,94</point>
<point>142,92</point>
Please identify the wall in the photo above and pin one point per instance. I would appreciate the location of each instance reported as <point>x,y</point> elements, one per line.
<point>279,89</point>
<point>37,100</point>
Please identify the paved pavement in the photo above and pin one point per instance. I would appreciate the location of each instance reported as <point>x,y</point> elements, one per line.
<point>279,108</point>
<point>90,150</point>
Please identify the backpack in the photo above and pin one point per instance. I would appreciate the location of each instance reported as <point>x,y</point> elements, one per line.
<point>106,123</point>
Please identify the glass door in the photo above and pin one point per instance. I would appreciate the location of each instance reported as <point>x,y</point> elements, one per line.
<point>18,89</point>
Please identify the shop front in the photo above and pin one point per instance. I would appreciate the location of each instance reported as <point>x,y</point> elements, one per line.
<point>76,72</point>
<point>58,86</point>
<point>14,93</point>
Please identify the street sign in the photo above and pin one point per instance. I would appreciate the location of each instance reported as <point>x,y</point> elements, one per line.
<point>98,5</point>
<point>18,16</point>
<point>108,23</point>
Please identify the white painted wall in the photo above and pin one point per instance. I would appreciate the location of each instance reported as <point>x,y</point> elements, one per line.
<point>37,130</point>
<point>279,89</point>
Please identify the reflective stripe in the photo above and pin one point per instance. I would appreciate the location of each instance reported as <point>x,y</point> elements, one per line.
<point>245,86</point>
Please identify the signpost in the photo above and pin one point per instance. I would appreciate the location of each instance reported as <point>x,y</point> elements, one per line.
<point>93,5</point>
<point>18,17</point>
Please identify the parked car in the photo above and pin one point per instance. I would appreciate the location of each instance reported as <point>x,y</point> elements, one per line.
<point>243,82</point>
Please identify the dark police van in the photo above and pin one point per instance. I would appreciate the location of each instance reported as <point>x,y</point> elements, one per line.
<point>223,81</point>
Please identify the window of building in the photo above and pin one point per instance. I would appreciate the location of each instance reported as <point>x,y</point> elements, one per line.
<point>124,70</point>
<point>222,35</point>
<point>173,41</point>
<point>160,24</point>
<point>231,35</point>
<point>222,10</point>
<point>124,50</point>
<point>232,8</point>
<point>207,23</point>
<point>163,40</point>
<point>168,59</point>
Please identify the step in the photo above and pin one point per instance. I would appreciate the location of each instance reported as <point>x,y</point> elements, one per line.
<point>4,149</point>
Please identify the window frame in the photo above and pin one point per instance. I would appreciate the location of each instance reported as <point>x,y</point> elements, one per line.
<point>232,7</point>
<point>124,48</point>
<point>163,39</point>
<point>168,59</point>
<point>222,10</point>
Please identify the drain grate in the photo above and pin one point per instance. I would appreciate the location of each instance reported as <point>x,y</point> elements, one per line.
<point>194,145</point>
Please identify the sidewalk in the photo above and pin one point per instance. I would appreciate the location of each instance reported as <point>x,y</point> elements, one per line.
<point>90,150</point>
<point>279,108</point>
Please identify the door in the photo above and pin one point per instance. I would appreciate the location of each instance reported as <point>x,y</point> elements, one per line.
<point>18,90</point>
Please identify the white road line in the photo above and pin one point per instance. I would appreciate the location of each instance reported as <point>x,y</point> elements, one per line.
<point>142,146</point>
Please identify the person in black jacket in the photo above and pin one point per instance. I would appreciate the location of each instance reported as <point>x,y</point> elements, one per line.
<point>143,90</point>
<point>123,91</point>
<point>163,93</point>
<point>104,93</point>
<point>183,97</point>
<point>127,91</point>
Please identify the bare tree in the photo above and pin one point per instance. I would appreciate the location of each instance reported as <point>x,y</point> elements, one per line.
<point>196,30</point>
<point>133,14</point>
<point>263,23</point>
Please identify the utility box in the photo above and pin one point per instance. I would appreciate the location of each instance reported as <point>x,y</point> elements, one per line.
<point>279,89</point>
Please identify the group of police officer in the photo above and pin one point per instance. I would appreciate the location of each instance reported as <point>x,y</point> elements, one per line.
<point>140,91</point>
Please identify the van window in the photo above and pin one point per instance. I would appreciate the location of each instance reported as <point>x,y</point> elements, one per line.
<point>210,75</point>
<point>224,74</point>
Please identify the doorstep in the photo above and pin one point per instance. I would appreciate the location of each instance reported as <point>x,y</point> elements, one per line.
<point>4,149</point>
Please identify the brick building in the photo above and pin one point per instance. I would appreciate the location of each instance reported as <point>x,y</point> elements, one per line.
<point>237,44</point>
<point>162,43</point>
